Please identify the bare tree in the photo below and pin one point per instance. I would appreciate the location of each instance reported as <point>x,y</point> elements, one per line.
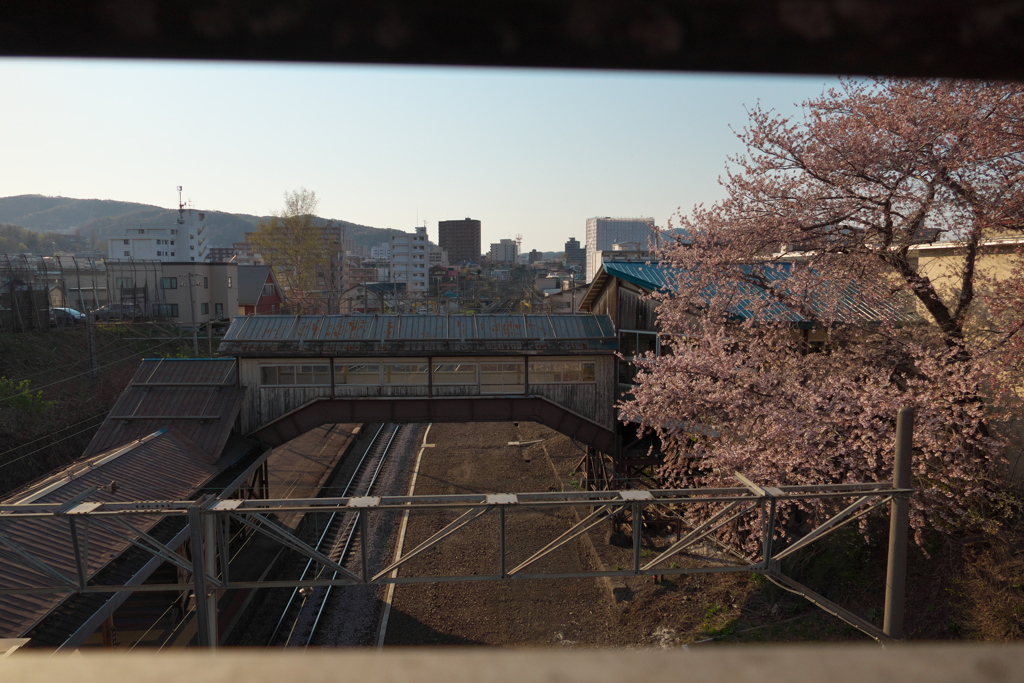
<point>302,252</point>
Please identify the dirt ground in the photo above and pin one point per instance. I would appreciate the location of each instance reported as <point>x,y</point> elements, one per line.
<point>633,612</point>
<point>964,590</point>
<point>475,458</point>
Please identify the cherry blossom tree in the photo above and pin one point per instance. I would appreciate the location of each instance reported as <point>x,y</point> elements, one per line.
<point>803,319</point>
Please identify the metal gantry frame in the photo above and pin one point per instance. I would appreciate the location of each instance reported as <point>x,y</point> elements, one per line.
<point>210,518</point>
<point>208,522</point>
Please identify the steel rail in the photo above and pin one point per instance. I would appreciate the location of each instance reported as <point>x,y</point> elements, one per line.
<point>320,541</point>
<point>354,525</point>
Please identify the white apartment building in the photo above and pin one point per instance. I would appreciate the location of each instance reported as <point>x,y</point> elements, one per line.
<point>409,261</point>
<point>504,251</point>
<point>602,233</point>
<point>437,256</point>
<point>184,241</point>
<point>381,251</point>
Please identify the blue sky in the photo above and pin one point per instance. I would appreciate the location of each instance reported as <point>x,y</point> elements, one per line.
<point>530,152</point>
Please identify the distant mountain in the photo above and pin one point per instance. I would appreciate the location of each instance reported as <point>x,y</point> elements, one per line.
<point>99,219</point>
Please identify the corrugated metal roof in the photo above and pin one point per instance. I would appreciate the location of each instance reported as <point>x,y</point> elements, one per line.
<point>161,466</point>
<point>198,397</point>
<point>862,302</point>
<point>398,334</point>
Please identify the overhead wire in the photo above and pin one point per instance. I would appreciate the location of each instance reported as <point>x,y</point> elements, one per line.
<point>11,462</point>
<point>42,438</point>
<point>82,374</point>
<point>101,350</point>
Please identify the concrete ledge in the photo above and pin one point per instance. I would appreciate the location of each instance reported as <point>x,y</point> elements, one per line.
<point>936,663</point>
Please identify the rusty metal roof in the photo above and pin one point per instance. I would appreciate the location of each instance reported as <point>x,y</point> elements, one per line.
<point>199,397</point>
<point>162,465</point>
<point>355,335</point>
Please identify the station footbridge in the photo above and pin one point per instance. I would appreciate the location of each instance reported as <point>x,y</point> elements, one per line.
<point>303,371</point>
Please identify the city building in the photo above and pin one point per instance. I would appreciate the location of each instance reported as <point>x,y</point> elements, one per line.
<point>437,256</point>
<point>409,262</point>
<point>357,271</point>
<point>625,251</point>
<point>602,233</point>
<point>575,253</point>
<point>461,239</point>
<point>504,251</point>
<point>244,254</point>
<point>221,254</point>
<point>183,241</point>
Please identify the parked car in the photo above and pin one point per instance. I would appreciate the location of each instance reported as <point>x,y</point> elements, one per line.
<point>66,317</point>
<point>116,312</point>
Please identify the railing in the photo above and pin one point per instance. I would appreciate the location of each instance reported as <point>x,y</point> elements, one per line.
<point>751,509</point>
<point>725,508</point>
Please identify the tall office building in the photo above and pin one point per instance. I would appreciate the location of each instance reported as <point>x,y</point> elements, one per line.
<point>602,233</point>
<point>575,253</point>
<point>461,239</point>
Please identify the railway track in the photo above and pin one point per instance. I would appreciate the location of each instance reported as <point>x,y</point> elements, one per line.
<point>299,620</point>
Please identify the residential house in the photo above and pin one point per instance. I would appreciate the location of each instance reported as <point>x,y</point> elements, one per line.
<point>197,292</point>
<point>259,292</point>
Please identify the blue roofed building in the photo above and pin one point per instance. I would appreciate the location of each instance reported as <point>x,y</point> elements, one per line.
<point>622,289</point>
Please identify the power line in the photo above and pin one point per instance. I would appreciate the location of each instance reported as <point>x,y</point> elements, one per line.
<point>29,443</point>
<point>11,462</point>
<point>105,349</point>
<point>82,374</point>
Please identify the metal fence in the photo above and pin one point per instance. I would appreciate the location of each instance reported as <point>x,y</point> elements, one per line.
<point>30,286</point>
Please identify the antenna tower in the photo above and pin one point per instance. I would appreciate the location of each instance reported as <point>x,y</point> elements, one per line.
<point>519,244</point>
<point>181,208</point>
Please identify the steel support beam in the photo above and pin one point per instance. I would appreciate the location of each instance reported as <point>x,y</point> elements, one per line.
<point>206,520</point>
<point>206,619</point>
<point>438,409</point>
<point>899,524</point>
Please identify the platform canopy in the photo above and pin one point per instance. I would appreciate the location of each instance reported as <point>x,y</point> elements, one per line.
<point>404,335</point>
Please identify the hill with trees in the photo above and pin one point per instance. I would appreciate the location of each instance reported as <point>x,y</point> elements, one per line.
<point>16,240</point>
<point>99,219</point>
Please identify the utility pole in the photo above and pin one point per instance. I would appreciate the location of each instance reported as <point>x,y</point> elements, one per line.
<point>90,337</point>
<point>192,303</point>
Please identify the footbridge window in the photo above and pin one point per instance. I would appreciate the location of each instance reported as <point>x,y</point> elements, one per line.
<point>562,372</point>
<point>405,374</point>
<point>296,375</point>
<point>362,374</point>
<point>502,378</point>
<point>458,373</point>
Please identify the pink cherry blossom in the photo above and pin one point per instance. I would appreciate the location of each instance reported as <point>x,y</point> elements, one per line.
<point>802,322</point>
